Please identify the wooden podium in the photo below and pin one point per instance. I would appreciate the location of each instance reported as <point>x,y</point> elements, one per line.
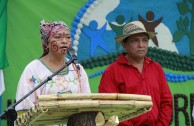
<point>57,108</point>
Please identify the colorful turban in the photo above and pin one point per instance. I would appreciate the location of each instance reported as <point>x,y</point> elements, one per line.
<point>48,30</point>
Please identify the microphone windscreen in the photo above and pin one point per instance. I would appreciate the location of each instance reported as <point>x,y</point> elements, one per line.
<point>71,52</point>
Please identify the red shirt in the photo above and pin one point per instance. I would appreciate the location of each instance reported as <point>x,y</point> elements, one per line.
<point>123,77</point>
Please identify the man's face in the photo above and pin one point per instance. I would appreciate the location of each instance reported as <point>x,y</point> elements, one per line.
<point>136,45</point>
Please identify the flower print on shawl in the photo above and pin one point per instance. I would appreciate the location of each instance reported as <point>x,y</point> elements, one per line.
<point>61,82</point>
<point>35,80</point>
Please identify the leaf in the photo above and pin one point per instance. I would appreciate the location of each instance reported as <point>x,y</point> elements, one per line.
<point>186,21</point>
<point>177,36</point>
<point>191,1</point>
<point>183,7</point>
<point>180,24</point>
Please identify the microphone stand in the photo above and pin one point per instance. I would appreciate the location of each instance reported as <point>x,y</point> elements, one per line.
<point>11,114</point>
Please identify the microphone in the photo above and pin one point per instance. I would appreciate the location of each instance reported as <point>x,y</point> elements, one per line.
<point>72,54</point>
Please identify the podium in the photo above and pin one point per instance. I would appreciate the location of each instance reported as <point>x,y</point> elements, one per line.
<point>57,108</point>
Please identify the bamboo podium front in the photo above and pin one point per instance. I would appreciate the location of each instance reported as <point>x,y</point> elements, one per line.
<point>57,108</point>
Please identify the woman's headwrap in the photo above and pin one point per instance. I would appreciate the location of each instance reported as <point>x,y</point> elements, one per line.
<point>49,29</point>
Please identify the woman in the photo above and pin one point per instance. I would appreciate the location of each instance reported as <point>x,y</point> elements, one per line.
<point>56,40</point>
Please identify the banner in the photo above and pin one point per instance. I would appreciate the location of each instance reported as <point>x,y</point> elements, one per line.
<point>3,58</point>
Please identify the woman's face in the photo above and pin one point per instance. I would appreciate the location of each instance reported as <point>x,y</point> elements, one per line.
<point>60,42</point>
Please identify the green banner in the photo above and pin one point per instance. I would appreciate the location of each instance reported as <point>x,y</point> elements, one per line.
<point>3,32</point>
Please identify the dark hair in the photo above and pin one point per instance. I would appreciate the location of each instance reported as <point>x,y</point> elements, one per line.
<point>125,40</point>
<point>45,53</point>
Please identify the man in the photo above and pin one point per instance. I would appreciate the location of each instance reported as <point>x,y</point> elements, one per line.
<point>134,73</point>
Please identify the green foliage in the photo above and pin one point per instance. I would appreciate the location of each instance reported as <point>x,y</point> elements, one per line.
<point>171,60</point>
<point>167,59</point>
<point>183,7</point>
<point>100,60</point>
<point>180,24</point>
<point>186,22</point>
<point>177,36</point>
<point>191,1</point>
